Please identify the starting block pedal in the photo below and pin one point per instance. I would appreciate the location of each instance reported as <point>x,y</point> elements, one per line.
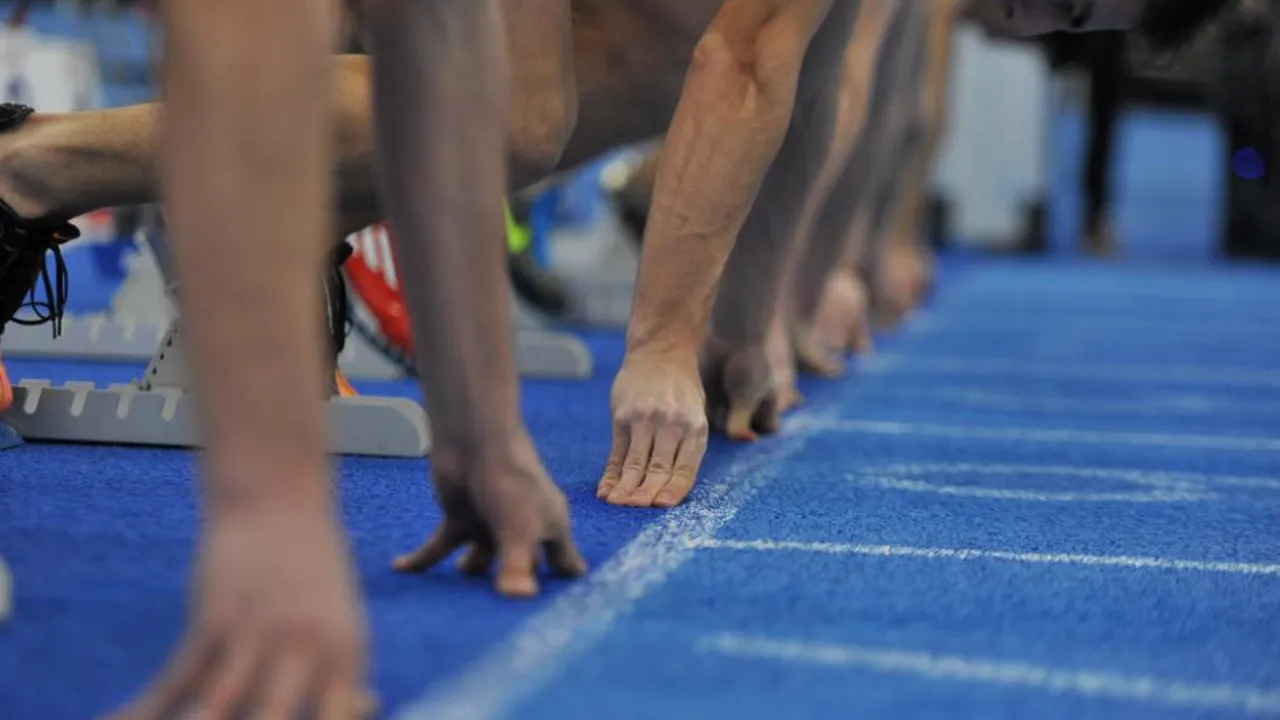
<point>158,410</point>
<point>93,338</point>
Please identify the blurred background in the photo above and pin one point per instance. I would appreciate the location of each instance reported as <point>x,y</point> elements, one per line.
<point>1063,146</point>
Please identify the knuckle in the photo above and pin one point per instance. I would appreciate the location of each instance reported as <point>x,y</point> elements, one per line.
<point>685,471</point>
<point>639,413</point>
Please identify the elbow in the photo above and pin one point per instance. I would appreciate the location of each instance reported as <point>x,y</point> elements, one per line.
<point>755,73</point>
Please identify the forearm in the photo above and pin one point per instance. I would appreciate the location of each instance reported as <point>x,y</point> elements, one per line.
<point>440,81</point>
<point>834,236</point>
<point>248,182</point>
<point>726,131</point>
<point>774,236</point>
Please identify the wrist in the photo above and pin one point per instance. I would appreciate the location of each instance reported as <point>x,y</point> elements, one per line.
<point>672,345</point>
<point>268,483</point>
<point>453,454</point>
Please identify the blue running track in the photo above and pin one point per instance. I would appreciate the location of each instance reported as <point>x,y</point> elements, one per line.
<point>1056,494</point>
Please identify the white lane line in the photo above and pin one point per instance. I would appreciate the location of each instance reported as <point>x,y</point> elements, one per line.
<point>964,432</point>
<point>1039,402</point>
<point>1153,494</point>
<point>1099,684</point>
<point>1094,325</point>
<point>1152,486</point>
<point>584,614</point>
<point>1073,370</point>
<point>928,553</point>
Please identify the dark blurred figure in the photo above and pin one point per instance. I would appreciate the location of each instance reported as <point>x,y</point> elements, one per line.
<point>1102,56</point>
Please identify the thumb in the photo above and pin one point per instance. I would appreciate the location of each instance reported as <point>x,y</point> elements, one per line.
<point>748,381</point>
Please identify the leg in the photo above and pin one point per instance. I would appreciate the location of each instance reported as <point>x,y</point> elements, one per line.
<point>544,104</point>
<point>1106,87</point>
<point>64,165</point>
<point>440,88</point>
<point>247,176</point>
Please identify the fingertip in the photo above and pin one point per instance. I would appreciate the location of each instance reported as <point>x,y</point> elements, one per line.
<point>517,586</point>
<point>475,562</point>
<point>666,501</point>
<point>407,563</point>
<point>739,426</point>
<point>571,565</point>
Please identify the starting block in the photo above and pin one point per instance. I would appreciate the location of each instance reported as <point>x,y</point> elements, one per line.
<point>142,318</point>
<point>91,338</point>
<point>159,410</point>
<point>539,351</point>
<point>598,265</point>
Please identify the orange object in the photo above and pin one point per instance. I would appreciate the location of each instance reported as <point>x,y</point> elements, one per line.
<point>372,277</point>
<point>342,386</point>
<point>6,390</point>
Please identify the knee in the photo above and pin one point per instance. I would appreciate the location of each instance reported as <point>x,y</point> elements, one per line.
<point>540,133</point>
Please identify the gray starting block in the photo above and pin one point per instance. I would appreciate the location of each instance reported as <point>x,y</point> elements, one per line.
<point>90,338</point>
<point>598,266</point>
<point>159,410</point>
<point>142,318</point>
<point>540,353</point>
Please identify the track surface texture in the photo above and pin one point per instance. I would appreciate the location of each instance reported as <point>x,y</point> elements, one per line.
<point>1054,494</point>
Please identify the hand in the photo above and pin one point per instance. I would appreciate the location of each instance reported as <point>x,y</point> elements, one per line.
<point>901,282</point>
<point>500,503</point>
<point>742,390</point>
<point>276,629</point>
<point>781,352</point>
<point>659,431</point>
<point>841,324</point>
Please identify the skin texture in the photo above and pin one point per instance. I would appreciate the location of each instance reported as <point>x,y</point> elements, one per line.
<point>440,126</point>
<point>748,89</point>
<point>630,61</point>
<point>247,175</point>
